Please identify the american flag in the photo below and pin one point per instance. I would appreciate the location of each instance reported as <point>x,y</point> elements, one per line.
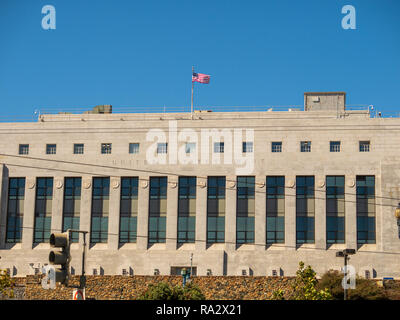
<point>200,77</point>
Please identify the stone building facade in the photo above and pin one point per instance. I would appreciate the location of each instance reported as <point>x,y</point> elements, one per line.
<point>228,193</point>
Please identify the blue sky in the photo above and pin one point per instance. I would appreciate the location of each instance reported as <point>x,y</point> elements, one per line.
<point>140,53</point>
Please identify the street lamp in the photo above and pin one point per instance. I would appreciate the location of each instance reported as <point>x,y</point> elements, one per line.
<point>345,253</point>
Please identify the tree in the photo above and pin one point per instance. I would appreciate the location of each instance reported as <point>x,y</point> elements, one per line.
<point>304,287</point>
<point>6,285</point>
<point>366,289</point>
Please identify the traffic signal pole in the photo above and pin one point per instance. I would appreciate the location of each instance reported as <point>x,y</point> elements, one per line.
<point>82,280</point>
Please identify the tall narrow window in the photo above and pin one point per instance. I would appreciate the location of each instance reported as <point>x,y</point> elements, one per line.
<point>335,231</point>
<point>72,206</point>
<point>157,209</point>
<point>15,209</point>
<point>43,209</point>
<point>365,209</point>
<point>305,209</point>
<point>100,209</point>
<point>186,209</point>
<point>128,210</point>
<point>275,209</point>
<point>245,210</point>
<point>215,209</point>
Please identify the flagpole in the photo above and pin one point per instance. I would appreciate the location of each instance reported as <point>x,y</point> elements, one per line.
<point>191,107</point>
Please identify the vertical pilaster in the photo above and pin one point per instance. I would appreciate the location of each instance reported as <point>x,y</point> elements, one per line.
<point>114,209</point>
<point>230,214</point>
<point>143,213</point>
<point>3,204</point>
<point>172,213</point>
<point>86,204</point>
<point>350,212</point>
<point>260,214</point>
<point>320,213</point>
<point>57,205</point>
<point>29,213</point>
<point>290,212</point>
<point>201,214</point>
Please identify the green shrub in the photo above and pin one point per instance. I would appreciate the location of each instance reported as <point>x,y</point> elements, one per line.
<point>366,289</point>
<point>164,291</point>
<point>6,285</point>
<point>304,287</point>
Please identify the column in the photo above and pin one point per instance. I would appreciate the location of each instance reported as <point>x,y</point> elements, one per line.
<point>29,213</point>
<point>143,213</point>
<point>320,213</point>
<point>290,212</point>
<point>260,214</point>
<point>3,203</point>
<point>172,213</point>
<point>86,205</point>
<point>350,212</point>
<point>201,214</point>
<point>114,212</point>
<point>57,206</point>
<point>230,213</point>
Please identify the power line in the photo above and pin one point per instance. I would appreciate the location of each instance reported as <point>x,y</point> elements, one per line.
<point>168,174</point>
<point>225,242</point>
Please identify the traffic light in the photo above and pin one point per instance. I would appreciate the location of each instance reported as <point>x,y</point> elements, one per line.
<point>63,257</point>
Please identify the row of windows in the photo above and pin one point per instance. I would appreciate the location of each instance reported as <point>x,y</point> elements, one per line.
<point>216,188</point>
<point>190,147</point>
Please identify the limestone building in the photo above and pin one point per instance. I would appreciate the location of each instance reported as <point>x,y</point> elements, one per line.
<point>228,193</point>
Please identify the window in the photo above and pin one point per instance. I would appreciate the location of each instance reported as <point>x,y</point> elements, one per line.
<point>157,209</point>
<point>305,146</point>
<point>100,210</point>
<point>305,209</point>
<point>78,148</point>
<point>134,148</point>
<point>218,147</point>
<point>247,147</point>
<point>364,146</point>
<point>186,209</point>
<point>72,206</point>
<point>51,148</point>
<point>43,206</point>
<point>106,148</point>
<point>334,146</point>
<point>162,147</point>
<point>335,208</point>
<point>275,209</point>
<point>128,210</point>
<point>24,149</point>
<point>215,209</point>
<point>245,210</point>
<point>365,209</point>
<point>15,209</point>
<point>276,147</point>
<point>190,147</point>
